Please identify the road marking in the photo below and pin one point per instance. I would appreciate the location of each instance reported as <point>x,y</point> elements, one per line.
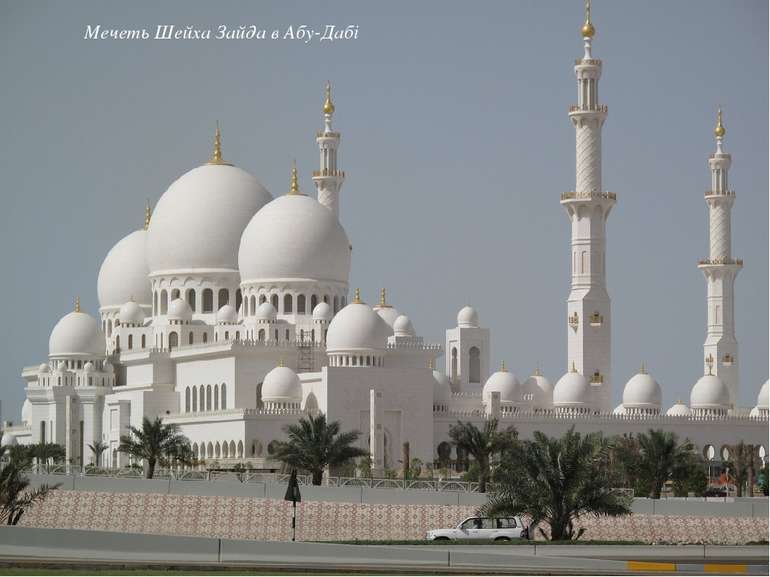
<point>724,568</point>
<point>650,566</point>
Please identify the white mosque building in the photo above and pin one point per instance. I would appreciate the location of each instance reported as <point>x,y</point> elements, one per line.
<point>228,315</point>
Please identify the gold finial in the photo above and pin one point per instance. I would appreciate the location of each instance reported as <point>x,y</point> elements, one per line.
<point>710,362</point>
<point>573,369</point>
<point>537,371</point>
<point>588,29</point>
<point>502,367</point>
<point>431,364</point>
<point>679,402</point>
<point>216,156</point>
<point>294,181</point>
<point>357,298</point>
<point>719,131</point>
<point>280,362</point>
<point>77,304</point>
<point>642,370</point>
<point>147,215</point>
<point>328,104</point>
<point>383,303</point>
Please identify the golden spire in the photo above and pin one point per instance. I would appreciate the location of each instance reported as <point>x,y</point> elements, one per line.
<point>77,304</point>
<point>294,181</point>
<point>216,156</point>
<point>588,29</point>
<point>383,303</point>
<point>710,363</point>
<point>573,369</point>
<point>431,364</point>
<point>502,367</point>
<point>147,215</point>
<point>280,362</point>
<point>719,131</point>
<point>537,371</point>
<point>642,370</point>
<point>357,299</point>
<point>328,104</point>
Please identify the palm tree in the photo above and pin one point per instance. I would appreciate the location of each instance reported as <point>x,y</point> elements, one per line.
<point>15,496</point>
<point>556,481</point>
<point>47,452</point>
<point>742,462</point>
<point>482,444</point>
<point>659,455</point>
<point>314,445</point>
<point>156,443</point>
<point>97,449</point>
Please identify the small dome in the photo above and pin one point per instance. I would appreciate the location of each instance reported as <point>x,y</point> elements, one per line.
<point>541,390</point>
<point>294,237</point>
<point>76,334</point>
<point>357,327</point>
<point>9,440</point>
<point>388,314</point>
<point>642,392</point>
<point>403,327</point>
<point>197,223</point>
<point>467,317</point>
<point>26,412</point>
<point>506,384</point>
<point>227,314</point>
<point>619,410</point>
<point>61,368</point>
<point>89,367</point>
<point>265,312</point>
<point>709,393</point>
<point>322,312</point>
<point>762,401</point>
<point>44,368</point>
<point>179,310</point>
<point>131,314</point>
<point>108,368</point>
<point>442,390</point>
<point>281,385</point>
<point>572,390</point>
<point>755,412</point>
<point>124,272</point>
<point>679,409</point>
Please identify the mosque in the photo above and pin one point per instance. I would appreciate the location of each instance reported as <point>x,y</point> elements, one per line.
<point>228,315</point>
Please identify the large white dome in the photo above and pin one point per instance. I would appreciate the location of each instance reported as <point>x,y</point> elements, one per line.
<point>26,412</point>
<point>762,398</point>
<point>294,237</point>
<point>505,383</point>
<point>123,275</point>
<point>357,327</point>
<point>281,385</point>
<point>709,392</point>
<point>572,390</point>
<point>642,392</point>
<point>541,390</point>
<point>442,389</point>
<point>76,334</point>
<point>198,221</point>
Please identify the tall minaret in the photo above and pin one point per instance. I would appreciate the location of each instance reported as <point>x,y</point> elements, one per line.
<point>328,179</point>
<point>720,268</point>
<point>588,305</point>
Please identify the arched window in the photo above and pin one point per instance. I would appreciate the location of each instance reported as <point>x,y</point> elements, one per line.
<point>274,302</point>
<point>237,335</point>
<point>174,294</point>
<point>117,343</point>
<point>261,335</point>
<point>232,449</point>
<point>336,304</point>
<point>225,450</point>
<point>191,338</point>
<point>326,299</point>
<point>238,299</point>
<point>253,305</point>
<point>223,397</point>
<point>262,299</point>
<point>223,298</point>
<point>109,328</point>
<point>161,340</point>
<point>205,337</point>
<point>130,342</point>
<point>208,397</point>
<point>191,298</point>
<point>202,397</point>
<point>453,373</point>
<point>287,334</point>
<point>276,335</point>
<point>227,335</point>
<point>240,449</point>
<point>474,365</point>
<point>173,340</point>
<point>144,341</point>
<point>216,397</point>
<point>287,304</point>
<point>194,400</point>
<point>313,302</point>
<point>208,300</point>
<point>260,404</point>
<point>155,303</point>
<point>163,302</point>
<point>187,400</point>
<point>301,304</point>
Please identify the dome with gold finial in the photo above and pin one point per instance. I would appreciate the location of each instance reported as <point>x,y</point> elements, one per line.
<point>388,313</point>
<point>77,334</point>
<point>294,238</point>
<point>198,222</point>
<point>123,275</point>
<point>357,328</point>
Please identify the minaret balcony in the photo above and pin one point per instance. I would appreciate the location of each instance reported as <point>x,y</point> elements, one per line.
<point>596,108</point>
<point>721,261</point>
<point>719,193</point>
<point>577,196</point>
<point>324,134</point>
<point>328,172</point>
<point>588,62</point>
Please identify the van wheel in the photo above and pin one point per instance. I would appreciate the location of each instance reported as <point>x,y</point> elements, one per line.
<point>441,539</point>
<point>501,539</point>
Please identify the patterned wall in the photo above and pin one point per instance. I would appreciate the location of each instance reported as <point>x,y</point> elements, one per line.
<point>269,519</point>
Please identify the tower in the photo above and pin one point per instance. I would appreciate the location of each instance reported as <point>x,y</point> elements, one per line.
<point>720,269</point>
<point>588,206</point>
<point>328,179</point>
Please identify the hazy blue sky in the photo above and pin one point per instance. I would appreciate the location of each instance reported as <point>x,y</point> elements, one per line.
<point>456,143</point>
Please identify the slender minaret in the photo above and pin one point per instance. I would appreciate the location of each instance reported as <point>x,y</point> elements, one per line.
<point>328,179</point>
<point>720,269</point>
<point>588,305</point>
